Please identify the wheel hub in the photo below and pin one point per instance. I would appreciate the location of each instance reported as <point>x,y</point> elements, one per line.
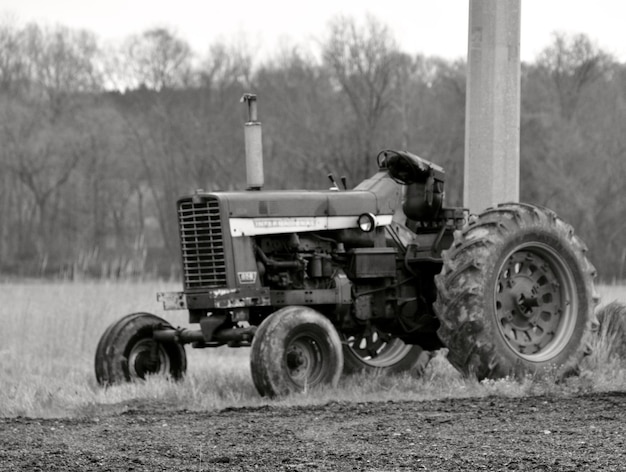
<point>523,298</point>
<point>296,359</point>
<point>532,288</point>
<point>147,357</point>
<point>303,360</point>
<point>145,363</point>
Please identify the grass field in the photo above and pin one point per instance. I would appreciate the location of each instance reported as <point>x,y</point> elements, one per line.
<point>49,333</point>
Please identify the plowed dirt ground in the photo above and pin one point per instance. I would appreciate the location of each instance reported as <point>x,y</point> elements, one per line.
<point>535,433</point>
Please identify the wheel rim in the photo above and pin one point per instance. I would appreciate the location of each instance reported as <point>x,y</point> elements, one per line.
<point>141,361</point>
<point>377,349</point>
<point>535,301</point>
<point>304,358</point>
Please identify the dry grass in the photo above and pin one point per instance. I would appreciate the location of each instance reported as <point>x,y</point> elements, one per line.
<point>50,331</point>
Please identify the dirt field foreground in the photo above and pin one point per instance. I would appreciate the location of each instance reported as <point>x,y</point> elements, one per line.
<point>585,432</point>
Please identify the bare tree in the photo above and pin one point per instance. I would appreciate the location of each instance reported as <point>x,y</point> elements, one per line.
<point>304,121</point>
<point>156,59</point>
<point>40,123</point>
<point>12,59</point>
<point>41,156</point>
<point>363,60</point>
<point>572,62</point>
<point>225,65</point>
<point>61,65</point>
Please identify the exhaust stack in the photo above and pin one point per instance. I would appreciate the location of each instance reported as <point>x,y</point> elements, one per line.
<point>254,145</point>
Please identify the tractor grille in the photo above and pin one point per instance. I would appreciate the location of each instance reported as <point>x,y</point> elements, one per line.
<point>202,244</point>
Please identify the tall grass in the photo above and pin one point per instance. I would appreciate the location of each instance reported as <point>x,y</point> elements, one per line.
<point>49,332</point>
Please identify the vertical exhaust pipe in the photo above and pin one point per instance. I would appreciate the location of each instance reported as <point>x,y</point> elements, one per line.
<point>254,145</point>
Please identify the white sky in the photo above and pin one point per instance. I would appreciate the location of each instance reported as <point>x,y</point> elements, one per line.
<point>434,27</point>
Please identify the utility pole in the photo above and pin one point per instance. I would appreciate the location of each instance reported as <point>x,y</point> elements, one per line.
<point>492,113</point>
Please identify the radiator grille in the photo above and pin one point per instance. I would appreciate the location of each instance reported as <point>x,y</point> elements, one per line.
<point>202,244</point>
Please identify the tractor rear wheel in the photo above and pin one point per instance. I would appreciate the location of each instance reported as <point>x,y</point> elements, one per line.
<point>127,351</point>
<point>295,349</point>
<point>516,295</point>
<point>378,352</point>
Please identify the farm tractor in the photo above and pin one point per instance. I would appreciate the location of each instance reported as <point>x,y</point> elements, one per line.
<point>320,283</point>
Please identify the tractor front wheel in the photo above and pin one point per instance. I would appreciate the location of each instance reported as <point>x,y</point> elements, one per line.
<point>128,352</point>
<point>295,349</point>
<point>516,295</point>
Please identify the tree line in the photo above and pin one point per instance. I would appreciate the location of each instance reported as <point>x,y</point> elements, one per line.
<point>98,143</point>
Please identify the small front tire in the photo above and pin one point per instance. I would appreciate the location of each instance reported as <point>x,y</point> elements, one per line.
<point>295,349</point>
<point>127,351</point>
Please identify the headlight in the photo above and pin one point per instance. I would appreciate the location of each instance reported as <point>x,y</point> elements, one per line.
<point>366,222</point>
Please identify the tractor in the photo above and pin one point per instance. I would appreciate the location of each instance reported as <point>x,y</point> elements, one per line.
<point>324,283</point>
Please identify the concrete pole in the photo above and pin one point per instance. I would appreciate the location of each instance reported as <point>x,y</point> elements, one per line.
<point>492,104</point>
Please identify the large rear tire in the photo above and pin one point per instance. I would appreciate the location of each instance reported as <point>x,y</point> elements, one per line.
<point>516,295</point>
<point>295,349</point>
<point>127,352</point>
<point>373,351</point>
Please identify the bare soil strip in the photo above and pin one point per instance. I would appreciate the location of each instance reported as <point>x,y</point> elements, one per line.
<point>535,433</point>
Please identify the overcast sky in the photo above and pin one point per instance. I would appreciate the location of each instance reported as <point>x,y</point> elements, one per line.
<point>435,27</point>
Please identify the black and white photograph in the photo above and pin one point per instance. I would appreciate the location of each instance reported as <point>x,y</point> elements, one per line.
<point>312,236</point>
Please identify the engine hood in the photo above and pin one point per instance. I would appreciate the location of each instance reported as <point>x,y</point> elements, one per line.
<point>378,195</point>
<point>252,213</point>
